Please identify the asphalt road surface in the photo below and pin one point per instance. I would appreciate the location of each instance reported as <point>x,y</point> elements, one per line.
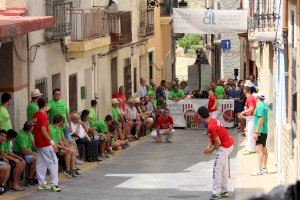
<point>148,171</point>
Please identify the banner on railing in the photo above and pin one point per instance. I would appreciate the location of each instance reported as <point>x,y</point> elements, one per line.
<point>184,112</point>
<point>188,20</point>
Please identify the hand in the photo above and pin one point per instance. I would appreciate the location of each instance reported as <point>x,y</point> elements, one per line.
<point>207,151</point>
<point>55,148</point>
<point>34,121</point>
<point>255,136</point>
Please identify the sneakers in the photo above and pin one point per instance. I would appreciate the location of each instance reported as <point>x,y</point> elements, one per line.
<point>76,172</point>
<point>79,162</point>
<point>44,187</point>
<point>257,173</point>
<point>32,182</point>
<point>68,173</point>
<point>55,188</point>
<point>224,194</point>
<point>265,170</point>
<point>214,197</point>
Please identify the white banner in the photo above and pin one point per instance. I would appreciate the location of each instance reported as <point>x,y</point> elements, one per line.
<point>183,109</point>
<point>187,20</point>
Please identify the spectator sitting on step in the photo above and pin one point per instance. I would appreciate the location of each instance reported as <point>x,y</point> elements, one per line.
<point>177,94</point>
<point>218,89</point>
<point>116,142</point>
<point>78,132</point>
<point>185,88</point>
<point>93,133</point>
<point>23,146</point>
<point>164,126</point>
<point>4,166</point>
<point>68,153</point>
<point>133,117</point>
<point>145,115</point>
<point>17,163</point>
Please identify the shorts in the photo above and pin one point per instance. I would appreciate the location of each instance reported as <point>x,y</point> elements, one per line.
<point>28,159</point>
<point>262,139</point>
<point>67,133</point>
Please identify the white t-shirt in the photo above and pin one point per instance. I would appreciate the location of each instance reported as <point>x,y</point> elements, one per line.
<point>81,133</point>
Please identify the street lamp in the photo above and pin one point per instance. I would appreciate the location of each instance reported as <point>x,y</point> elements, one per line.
<point>182,4</point>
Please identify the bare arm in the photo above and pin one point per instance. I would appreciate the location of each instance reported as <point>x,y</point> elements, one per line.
<point>260,124</point>
<point>45,133</point>
<point>250,109</point>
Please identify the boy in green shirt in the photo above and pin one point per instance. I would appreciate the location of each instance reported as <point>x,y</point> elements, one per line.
<point>61,148</point>
<point>261,133</point>
<point>5,122</point>
<point>13,159</point>
<point>23,146</point>
<point>4,166</point>
<point>177,94</point>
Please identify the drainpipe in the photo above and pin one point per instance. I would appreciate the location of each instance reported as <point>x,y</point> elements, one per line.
<point>28,65</point>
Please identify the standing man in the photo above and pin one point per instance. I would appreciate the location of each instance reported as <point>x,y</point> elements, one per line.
<point>222,143</point>
<point>121,97</point>
<point>32,107</point>
<point>253,81</point>
<point>164,126</point>
<point>143,89</point>
<point>212,105</point>
<point>46,157</point>
<point>161,90</point>
<point>5,122</point>
<point>261,133</point>
<point>249,113</point>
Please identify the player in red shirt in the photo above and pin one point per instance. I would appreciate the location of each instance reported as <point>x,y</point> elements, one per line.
<point>222,143</point>
<point>212,104</point>
<point>46,157</point>
<point>249,114</point>
<point>121,97</point>
<point>164,126</point>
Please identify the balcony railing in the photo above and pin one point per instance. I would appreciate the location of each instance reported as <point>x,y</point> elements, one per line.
<point>120,27</point>
<point>263,20</point>
<point>88,24</point>
<point>146,23</point>
<point>166,7</point>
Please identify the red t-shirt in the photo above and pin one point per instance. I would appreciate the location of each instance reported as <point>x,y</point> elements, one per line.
<point>120,96</point>
<point>211,102</point>
<point>163,123</point>
<point>250,102</point>
<point>41,120</point>
<point>215,128</point>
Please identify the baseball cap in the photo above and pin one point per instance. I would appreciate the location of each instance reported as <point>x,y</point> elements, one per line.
<point>261,95</point>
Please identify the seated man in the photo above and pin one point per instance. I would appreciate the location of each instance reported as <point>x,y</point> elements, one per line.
<point>68,153</point>
<point>133,117</point>
<point>16,162</point>
<point>164,126</point>
<point>4,166</point>
<point>23,146</point>
<point>176,94</point>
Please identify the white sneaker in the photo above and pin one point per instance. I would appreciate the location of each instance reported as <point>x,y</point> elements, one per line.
<point>257,173</point>
<point>79,162</point>
<point>265,170</point>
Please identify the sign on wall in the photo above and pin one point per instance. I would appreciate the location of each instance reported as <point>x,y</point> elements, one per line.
<point>188,20</point>
<point>184,112</point>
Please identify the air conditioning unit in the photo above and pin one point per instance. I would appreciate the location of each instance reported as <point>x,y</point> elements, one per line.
<point>264,36</point>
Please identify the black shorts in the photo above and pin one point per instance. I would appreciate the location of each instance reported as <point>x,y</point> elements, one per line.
<point>262,139</point>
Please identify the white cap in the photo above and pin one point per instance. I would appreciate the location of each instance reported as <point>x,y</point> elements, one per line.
<point>248,83</point>
<point>261,95</point>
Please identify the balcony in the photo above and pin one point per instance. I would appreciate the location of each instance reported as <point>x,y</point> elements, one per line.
<point>89,32</point>
<point>120,27</point>
<point>263,21</point>
<point>146,28</point>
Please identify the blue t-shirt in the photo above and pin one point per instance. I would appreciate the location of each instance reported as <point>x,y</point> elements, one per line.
<point>236,94</point>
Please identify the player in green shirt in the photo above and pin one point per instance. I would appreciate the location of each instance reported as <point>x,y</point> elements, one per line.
<point>32,107</point>
<point>5,122</point>
<point>61,148</point>
<point>58,106</point>
<point>6,152</point>
<point>261,133</point>
<point>23,146</point>
<point>4,165</point>
<point>177,94</point>
<point>219,90</point>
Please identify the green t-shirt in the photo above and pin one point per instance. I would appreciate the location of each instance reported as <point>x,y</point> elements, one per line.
<point>261,111</point>
<point>32,108</point>
<point>102,126</point>
<point>175,95</point>
<point>115,113</point>
<point>220,92</point>
<point>57,108</point>
<point>93,116</point>
<point>5,147</point>
<point>5,122</point>
<point>22,140</point>
<point>56,133</point>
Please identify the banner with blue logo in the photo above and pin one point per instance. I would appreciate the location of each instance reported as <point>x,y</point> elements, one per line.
<point>188,20</point>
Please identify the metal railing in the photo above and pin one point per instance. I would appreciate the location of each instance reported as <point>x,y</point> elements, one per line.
<point>88,24</point>
<point>120,27</point>
<point>146,23</point>
<point>166,7</point>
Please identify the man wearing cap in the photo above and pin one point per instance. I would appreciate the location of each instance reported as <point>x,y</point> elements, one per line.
<point>133,117</point>
<point>32,107</point>
<point>261,133</point>
<point>249,113</point>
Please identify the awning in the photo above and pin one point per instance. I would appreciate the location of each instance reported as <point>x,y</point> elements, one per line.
<point>17,25</point>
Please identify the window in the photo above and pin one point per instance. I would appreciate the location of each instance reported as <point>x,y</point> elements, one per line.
<point>127,78</point>
<point>56,81</point>
<point>151,67</point>
<point>41,84</point>
<point>73,92</point>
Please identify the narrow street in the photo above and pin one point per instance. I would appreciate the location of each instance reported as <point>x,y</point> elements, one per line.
<point>148,171</point>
